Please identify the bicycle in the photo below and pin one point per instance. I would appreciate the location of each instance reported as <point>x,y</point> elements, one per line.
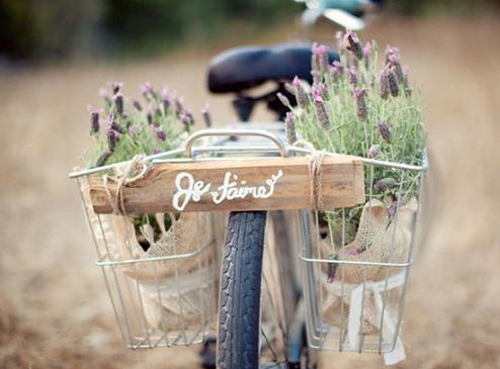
<point>242,335</point>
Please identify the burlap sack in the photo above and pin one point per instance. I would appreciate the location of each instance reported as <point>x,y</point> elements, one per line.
<point>388,241</point>
<point>178,293</point>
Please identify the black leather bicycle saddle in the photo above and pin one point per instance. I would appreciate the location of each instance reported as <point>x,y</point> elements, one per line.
<point>242,68</point>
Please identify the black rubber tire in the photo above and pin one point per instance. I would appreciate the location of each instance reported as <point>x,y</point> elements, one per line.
<point>240,289</point>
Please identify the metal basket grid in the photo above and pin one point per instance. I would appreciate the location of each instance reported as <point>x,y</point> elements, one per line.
<point>382,298</point>
<point>127,295</point>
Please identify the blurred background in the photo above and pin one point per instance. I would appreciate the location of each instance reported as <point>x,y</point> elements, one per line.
<point>54,56</point>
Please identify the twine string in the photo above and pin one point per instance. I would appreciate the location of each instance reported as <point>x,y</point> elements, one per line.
<point>118,201</point>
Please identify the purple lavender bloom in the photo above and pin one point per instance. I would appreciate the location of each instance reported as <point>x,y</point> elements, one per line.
<point>319,58</point>
<point>391,51</point>
<point>384,84</point>
<point>136,105</point>
<point>119,103</point>
<point>384,131</point>
<point>317,76</point>
<point>353,44</point>
<point>146,88</point>
<point>160,134</point>
<point>300,94</point>
<point>157,150</point>
<point>165,99</point>
<point>321,90</point>
<point>361,107</point>
<point>337,70</point>
<point>367,51</point>
<point>205,112</point>
<point>187,118</point>
<point>178,107</point>
<point>353,75</point>
<point>385,184</point>
<point>331,269</point>
<point>116,87</point>
<point>373,151</point>
<point>396,66</point>
<point>321,112</point>
<point>393,82</point>
<point>290,128</point>
<point>94,119</point>
<point>103,158</point>
<point>112,139</point>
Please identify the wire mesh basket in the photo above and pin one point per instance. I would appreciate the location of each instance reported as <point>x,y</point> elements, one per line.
<point>162,278</point>
<point>355,265</point>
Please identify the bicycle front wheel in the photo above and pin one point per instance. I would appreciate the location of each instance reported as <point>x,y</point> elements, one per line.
<point>240,292</point>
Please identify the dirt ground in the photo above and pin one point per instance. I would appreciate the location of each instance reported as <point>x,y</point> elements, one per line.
<point>54,311</point>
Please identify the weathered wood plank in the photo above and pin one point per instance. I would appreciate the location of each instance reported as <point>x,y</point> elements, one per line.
<point>247,184</point>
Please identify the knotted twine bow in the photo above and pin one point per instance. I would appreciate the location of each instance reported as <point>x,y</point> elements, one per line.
<point>118,202</point>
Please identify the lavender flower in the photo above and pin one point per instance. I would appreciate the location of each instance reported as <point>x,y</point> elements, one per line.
<point>321,113</point>
<point>283,99</point>
<point>385,184</point>
<point>118,128</point>
<point>373,151</point>
<point>94,119</point>
<point>393,82</point>
<point>160,134</point>
<point>361,108</point>
<point>317,77</point>
<point>149,117</point>
<point>367,50</point>
<point>187,118</point>
<point>147,90</point>
<point>338,70</point>
<point>320,58</point>
<point>384,84</point>
<point>103,158</point>
<point>384,131</point>
<point>321,90</point>
<point>136,105</point>
<point>178,108</point>
<point>391,51</point>
<point>205,112</point>
<point>332,269</point>
<point>290,128</point>
<point>396,66</point>
<point>157,150</point>
<point>353,76</point>
<point>353,44</point>
<point>300,94</point>
<point>165,98</point>
<point>119,102</point>
<point>112,139</point>
<point>116,87</point>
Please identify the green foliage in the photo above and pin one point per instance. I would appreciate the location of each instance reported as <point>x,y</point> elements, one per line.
<point>366,118</point>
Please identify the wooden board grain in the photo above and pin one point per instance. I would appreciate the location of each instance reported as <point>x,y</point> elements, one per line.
<point>157,191</point>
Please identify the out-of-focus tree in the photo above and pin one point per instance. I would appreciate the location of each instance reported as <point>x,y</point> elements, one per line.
<point>40,29</point>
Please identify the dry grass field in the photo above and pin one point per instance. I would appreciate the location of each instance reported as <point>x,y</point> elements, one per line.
<point>54,311</point>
